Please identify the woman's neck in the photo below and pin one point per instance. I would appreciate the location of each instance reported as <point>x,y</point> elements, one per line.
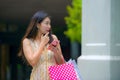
<point>38,37</point>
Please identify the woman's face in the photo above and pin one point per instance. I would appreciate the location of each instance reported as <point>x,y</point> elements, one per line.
<point>44,26</point>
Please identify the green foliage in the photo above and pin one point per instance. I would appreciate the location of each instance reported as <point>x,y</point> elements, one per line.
<point>73,21</point>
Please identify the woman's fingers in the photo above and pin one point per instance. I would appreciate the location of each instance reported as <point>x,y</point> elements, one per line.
<point>45,38</point>
<point>46,35</point>
<point>53,48</point>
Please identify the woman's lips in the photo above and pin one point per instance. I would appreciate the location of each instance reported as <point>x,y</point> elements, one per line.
<point>48,30</point>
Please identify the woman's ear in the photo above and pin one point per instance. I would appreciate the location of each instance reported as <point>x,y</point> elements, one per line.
<point>38,25</point>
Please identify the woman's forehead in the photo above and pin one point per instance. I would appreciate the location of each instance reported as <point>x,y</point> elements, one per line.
<point>47,19</point>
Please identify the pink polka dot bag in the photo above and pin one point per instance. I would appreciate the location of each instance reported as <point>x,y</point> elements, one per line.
<point>65,71</point>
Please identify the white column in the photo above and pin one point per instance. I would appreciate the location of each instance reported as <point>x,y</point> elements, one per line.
<point>100,58</point>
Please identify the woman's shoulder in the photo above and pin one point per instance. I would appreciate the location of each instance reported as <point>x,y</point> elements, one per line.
<point>26,41</point>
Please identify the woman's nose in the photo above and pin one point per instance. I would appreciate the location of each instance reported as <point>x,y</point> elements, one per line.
<point>49,26</point>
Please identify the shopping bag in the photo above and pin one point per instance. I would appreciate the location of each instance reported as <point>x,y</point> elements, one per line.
<point>63,72</point>
<point>77,70</point>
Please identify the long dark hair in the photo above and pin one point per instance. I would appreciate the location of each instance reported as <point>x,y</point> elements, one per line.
<point>32,30</point>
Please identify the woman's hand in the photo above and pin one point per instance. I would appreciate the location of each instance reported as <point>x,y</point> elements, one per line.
<point>44,39</point>
<point>55,47</point>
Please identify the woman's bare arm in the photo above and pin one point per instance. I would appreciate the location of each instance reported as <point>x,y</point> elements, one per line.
<point>58,52</point>
<point>32,57</point>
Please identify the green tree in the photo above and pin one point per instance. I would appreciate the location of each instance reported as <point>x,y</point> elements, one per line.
<point>73,21</point>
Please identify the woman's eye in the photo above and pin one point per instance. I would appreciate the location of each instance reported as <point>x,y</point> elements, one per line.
<point>47,23</point>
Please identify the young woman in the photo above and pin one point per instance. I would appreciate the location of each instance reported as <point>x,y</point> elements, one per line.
<point>39,47</point>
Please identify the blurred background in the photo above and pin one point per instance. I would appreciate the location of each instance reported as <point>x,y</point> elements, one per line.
<point>14,19</point>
